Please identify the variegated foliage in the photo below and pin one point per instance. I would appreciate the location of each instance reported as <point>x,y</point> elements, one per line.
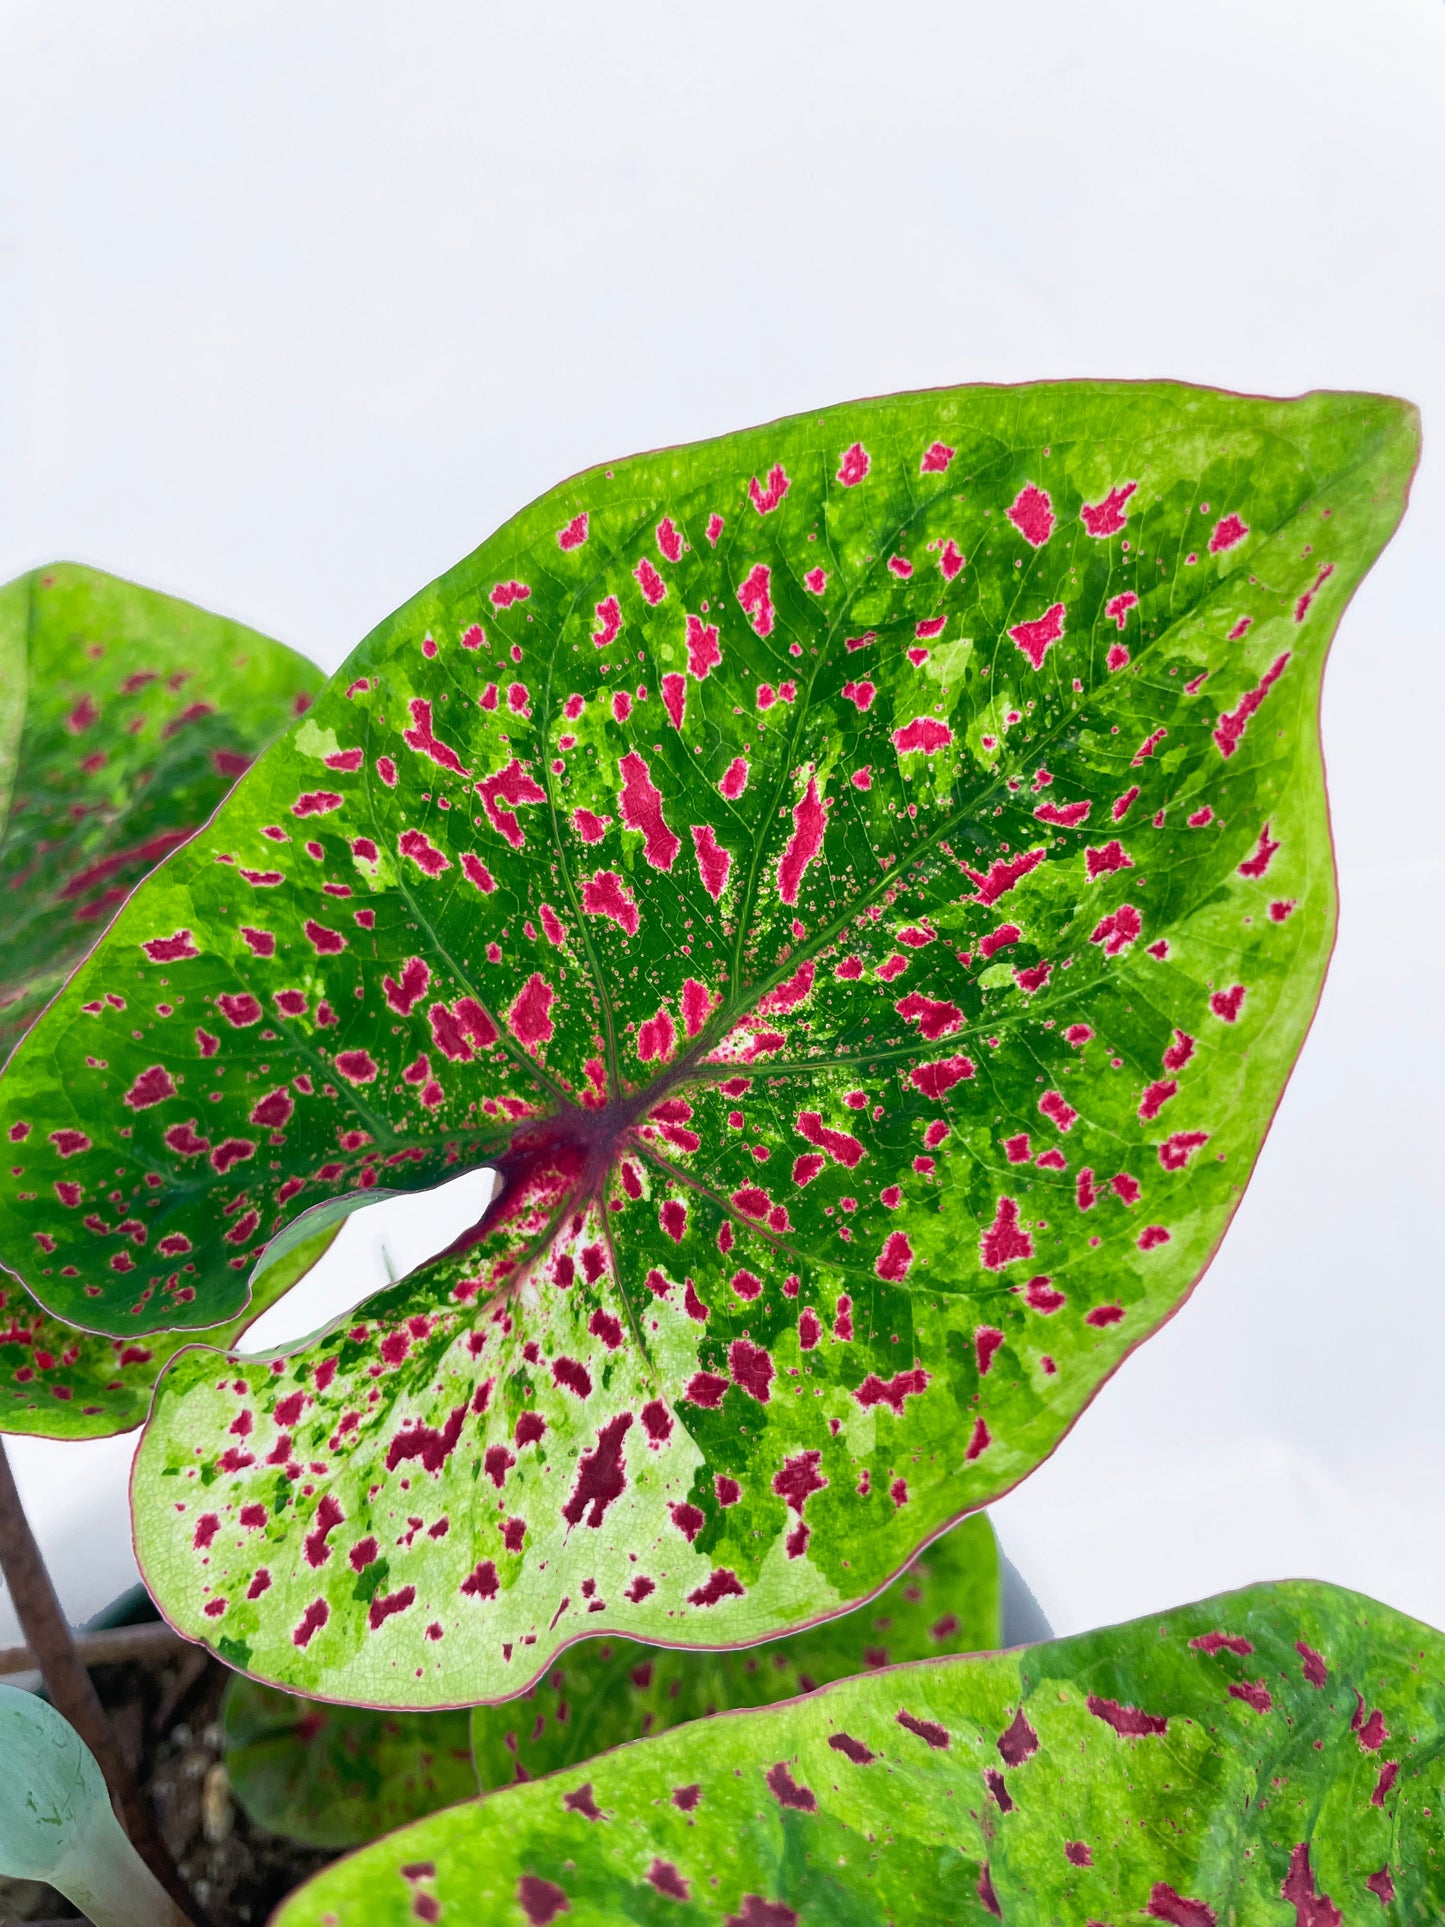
<point>1271,1756</point>
<point>863,883</point>
<point>125,716</point>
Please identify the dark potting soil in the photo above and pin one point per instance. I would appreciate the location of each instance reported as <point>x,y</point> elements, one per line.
<point>166,1715</point>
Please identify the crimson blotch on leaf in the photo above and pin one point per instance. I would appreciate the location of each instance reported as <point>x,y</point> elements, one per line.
<point>125,716</point>
<point>862,882</point>
<point>1270,1755</point>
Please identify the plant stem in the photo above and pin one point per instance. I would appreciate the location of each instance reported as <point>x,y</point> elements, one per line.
<point>48,1635</point>
<point>112,1646</point>
<point>107,1880</point>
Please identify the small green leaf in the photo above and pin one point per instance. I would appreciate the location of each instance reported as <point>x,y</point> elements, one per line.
<point>602,1693</point>
<point>1280,1745</point>
<point>874,1035</point>
<point>337,1776</point>
<point>56,1822</point>
<point>49,1786</point>
<point>125,716</point>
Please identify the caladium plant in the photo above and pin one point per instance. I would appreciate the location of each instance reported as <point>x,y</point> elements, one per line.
<point>862,882</point>
<point>125,716</point>
<point>1270,1755</point>
<point>339,1776</point>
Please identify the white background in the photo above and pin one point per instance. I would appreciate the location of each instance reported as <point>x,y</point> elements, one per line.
<point>301,300</point>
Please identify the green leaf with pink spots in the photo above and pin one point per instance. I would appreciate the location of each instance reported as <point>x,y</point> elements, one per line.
<point>1276,1754</point>
<point>338,1776</point>
<point>863,883</point>
<point>125,716</point>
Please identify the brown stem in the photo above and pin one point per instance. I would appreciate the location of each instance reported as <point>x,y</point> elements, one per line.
<point>112,1646</point>
<point>48,1635</point>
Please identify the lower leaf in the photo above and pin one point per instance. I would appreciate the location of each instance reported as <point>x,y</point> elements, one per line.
<point>337,1776</point>
<point>1272,1749</point>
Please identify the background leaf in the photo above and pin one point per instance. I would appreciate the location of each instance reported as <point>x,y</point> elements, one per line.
<point>337,1776</point>
<point>125,716</point>
<point>864,882</point>
<point>1285,1744</point>
<point>57,1382</point>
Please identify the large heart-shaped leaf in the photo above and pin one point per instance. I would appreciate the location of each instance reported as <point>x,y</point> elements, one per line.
<point>1272,1755</point>
<point>605,1692</point>
<point>864,882</point>
<point>125,716</point>
<point>339,1776</point>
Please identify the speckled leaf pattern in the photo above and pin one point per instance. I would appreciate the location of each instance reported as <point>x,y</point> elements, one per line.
<point>605,1692</point>
<point>863,882</point>
<point>57,1382</point>
<point>125,716</point>
<point>338,1776</point>
<point>1271,1756</point>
